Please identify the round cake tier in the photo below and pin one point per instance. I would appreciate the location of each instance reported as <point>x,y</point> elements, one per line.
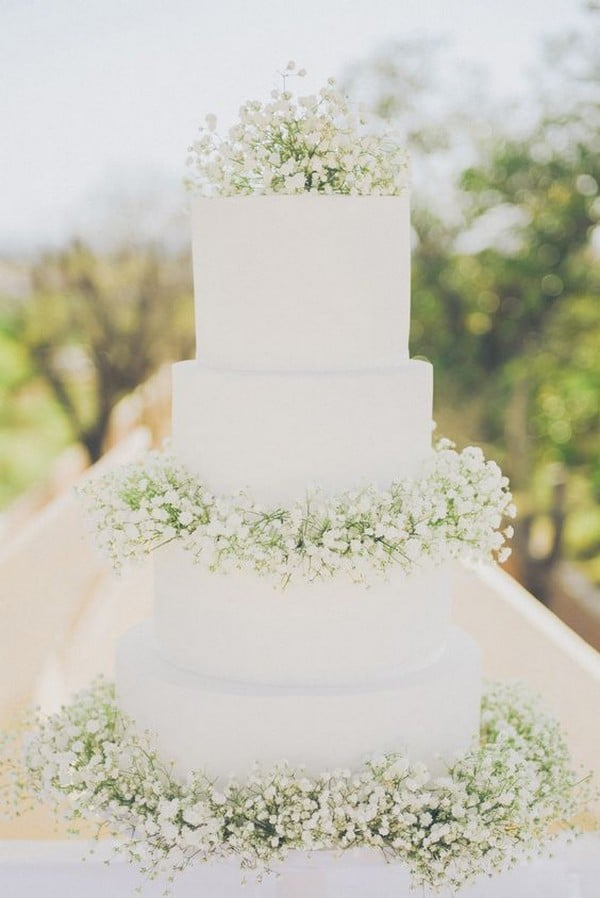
<point>277,433</point>
<point>224,727</point>
<point>243,627</point>
<point>304,281</point>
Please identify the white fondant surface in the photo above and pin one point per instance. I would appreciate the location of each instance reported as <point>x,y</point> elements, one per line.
<point>224,727</point>
<point>277,433</point>
<point>300,282</point>
<point>303,379</point>
<point>244,627</point>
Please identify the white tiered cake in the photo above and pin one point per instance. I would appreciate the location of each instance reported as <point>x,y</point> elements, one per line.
<point>302,378</point>
<point>303,532</point>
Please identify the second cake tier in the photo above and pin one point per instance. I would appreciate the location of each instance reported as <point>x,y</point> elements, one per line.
<point>278,433</point>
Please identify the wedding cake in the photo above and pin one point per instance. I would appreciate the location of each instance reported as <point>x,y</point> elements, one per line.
<point>300,685</point>
<point>302,377</point>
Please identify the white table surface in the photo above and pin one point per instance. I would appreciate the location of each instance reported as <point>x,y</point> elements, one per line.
<point>57,870</point>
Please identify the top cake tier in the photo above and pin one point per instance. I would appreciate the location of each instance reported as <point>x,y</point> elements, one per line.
<point>301,282</point>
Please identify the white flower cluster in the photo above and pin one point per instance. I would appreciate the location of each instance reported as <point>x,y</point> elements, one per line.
<point>312,143</point>
<point>494,806</point>
<point>454,509</point>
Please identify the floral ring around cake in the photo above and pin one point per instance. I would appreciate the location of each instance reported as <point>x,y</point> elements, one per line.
<point>501,802</point>
<point>454,508</point>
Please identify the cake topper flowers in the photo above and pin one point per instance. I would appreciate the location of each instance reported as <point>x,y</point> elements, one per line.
<point>291,145</point>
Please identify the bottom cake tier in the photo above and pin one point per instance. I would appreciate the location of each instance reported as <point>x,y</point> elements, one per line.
<point>225,727</point>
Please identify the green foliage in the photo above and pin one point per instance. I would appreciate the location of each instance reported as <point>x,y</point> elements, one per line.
<point>95,327</point>
<point>32,428</point>
<point>90,328</point>
<point>530,313</point>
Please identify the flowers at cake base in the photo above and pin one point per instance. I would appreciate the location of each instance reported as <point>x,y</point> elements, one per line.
<point>503,801</point>
<point>454,509</point>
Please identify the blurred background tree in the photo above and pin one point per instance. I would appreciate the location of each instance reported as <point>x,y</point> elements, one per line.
<point>92,327</point>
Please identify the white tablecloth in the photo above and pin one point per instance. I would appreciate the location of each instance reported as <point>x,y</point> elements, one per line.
<point>57,870</point>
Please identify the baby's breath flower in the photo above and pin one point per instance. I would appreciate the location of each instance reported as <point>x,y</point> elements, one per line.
<point>454,509</point>
<point>311,144</point>
<point>494,805</point>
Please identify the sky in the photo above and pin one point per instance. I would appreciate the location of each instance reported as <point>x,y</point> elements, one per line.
<point>99,99</point>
